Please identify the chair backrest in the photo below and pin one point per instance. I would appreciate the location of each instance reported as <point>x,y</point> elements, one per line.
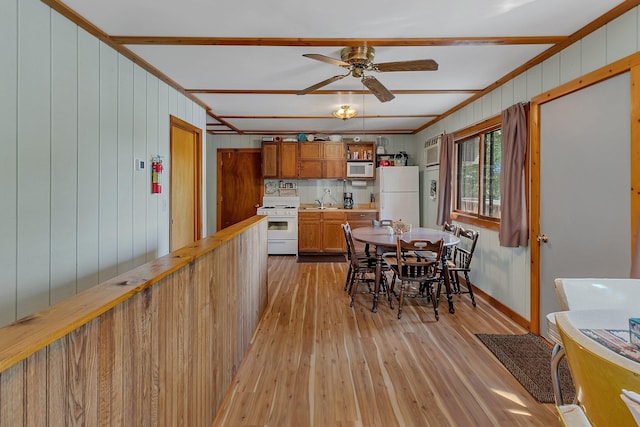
<point>413,266</point>
<point>450,228</point>
<point>351,250</point>
<point>463,252</point>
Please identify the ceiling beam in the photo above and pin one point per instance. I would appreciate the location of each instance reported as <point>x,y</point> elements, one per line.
<point>372,116</point>
<point>327,92</point>
<point>319,42</point>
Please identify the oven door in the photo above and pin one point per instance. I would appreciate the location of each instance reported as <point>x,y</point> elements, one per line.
<point>282,228</point>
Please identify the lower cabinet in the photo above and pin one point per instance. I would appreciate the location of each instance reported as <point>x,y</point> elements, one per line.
<point>321,232</point>
<point>332,234</point>
<point>309,232</point>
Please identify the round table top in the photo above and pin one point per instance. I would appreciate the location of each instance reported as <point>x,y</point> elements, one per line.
<point>381,236</point>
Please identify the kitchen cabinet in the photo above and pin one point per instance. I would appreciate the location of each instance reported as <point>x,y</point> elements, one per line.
<point>280,159</point>
<point>332,233</point>
<point>361,151</point>
<point>309,232</point>
<point>321,232</point>
<point>270,160</point>
<point>288,159</point>
<point>322,160</point>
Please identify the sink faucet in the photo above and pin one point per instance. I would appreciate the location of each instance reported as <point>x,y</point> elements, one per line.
<point>320,201</point>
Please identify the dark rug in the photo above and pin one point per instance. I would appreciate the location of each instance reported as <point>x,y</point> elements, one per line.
<point>321,258</point>
<point>528,358</point>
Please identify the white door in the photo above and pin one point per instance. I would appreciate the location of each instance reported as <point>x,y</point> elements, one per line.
<point>584,187</point>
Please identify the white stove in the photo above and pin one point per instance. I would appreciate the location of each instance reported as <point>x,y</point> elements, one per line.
<point>282,230</point>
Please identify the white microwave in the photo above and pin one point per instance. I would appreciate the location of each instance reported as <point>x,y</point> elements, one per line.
<point>360,169</point>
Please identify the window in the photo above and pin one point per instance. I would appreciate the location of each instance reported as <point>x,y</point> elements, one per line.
<point>477,185</point>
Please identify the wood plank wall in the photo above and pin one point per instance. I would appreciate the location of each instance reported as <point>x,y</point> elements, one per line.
<point>74,115</point>
<point>156,346</point>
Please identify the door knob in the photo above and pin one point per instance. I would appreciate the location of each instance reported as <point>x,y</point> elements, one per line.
<point>542,238</point>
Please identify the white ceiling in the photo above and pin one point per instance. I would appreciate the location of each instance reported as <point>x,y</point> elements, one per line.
<point>253,49</point>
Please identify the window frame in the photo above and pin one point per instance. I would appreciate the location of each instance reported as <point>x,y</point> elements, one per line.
<point>476,130</point>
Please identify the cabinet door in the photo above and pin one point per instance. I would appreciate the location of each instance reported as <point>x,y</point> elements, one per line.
<point>310,169</point>
<point>333,237</point>
<point>333,150</point>
<point>288,160</point>
<point>310,150</point>
<point>334,169</point>
<point>269,160</point>
<point>309,236</point>
<point>332,233</point>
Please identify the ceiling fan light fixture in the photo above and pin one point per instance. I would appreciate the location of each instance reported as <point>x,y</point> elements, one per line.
<point>344,112</point>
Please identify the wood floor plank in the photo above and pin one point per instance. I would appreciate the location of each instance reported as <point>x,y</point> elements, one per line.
<point>316,361</point>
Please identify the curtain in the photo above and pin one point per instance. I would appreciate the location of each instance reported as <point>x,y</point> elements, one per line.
<point>513,209</point>
<point>445,178</point>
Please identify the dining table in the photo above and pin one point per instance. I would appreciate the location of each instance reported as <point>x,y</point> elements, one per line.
<point>384,239</point>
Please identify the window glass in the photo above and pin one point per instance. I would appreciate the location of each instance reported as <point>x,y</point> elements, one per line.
<point>491,177</point>
<point>478,163</point>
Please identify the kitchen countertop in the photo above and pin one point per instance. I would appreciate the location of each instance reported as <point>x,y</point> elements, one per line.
<point>313,207</point>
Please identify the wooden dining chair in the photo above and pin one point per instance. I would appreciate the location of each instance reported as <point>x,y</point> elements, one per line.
<point>460,261</point>
<point>361,257</point>
<point>362,268</point>
<point>410,268</point>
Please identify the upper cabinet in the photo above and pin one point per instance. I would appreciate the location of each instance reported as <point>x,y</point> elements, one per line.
<point>304,160</point>
<point>322,160</point>
<point>280,159</point>
<point>357,151</point>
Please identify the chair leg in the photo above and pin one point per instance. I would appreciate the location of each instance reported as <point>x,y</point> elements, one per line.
<point>387,287</point>
<point>433,300</point>
<point>470,287</point>
<point>348,280</point>
<point>352,287</point>
<point>401,299</point>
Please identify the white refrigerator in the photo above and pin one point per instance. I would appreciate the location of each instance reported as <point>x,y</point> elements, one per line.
<point>397,193</point>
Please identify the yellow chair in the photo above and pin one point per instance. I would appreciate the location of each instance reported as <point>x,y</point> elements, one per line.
<point>599,375</point>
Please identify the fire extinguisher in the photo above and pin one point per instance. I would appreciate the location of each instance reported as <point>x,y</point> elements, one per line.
<point>156,170</point>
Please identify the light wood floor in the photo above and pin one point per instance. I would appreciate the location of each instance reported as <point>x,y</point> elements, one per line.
<point>315,361</point>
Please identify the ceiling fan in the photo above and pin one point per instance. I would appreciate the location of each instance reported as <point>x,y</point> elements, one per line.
<point>358,59</point>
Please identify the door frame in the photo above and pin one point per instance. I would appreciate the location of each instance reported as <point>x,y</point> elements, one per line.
<point>175,122</point>
<point>629,64</point>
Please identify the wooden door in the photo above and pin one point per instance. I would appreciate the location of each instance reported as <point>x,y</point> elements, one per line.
<point>239,185</point>
<point>186,159</point>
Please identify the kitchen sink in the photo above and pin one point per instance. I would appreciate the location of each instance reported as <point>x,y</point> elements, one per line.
<point>320,208</point>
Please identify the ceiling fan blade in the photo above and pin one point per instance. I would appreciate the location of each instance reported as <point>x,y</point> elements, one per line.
<point>377,88</point>
<point>322,83</point>
<point>417,65</point>
<point>328,59</point>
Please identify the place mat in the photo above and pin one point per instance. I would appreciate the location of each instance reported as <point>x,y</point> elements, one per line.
<point>528,358</point>
<point>616,340</point>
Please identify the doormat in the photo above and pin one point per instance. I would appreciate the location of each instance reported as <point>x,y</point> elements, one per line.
<point>321,258</point>
<point>528,358</point>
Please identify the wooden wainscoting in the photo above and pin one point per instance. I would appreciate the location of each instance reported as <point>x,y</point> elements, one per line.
<point>156,346</point>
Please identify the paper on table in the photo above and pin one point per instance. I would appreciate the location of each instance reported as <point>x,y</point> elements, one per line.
<point>632,400</point>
